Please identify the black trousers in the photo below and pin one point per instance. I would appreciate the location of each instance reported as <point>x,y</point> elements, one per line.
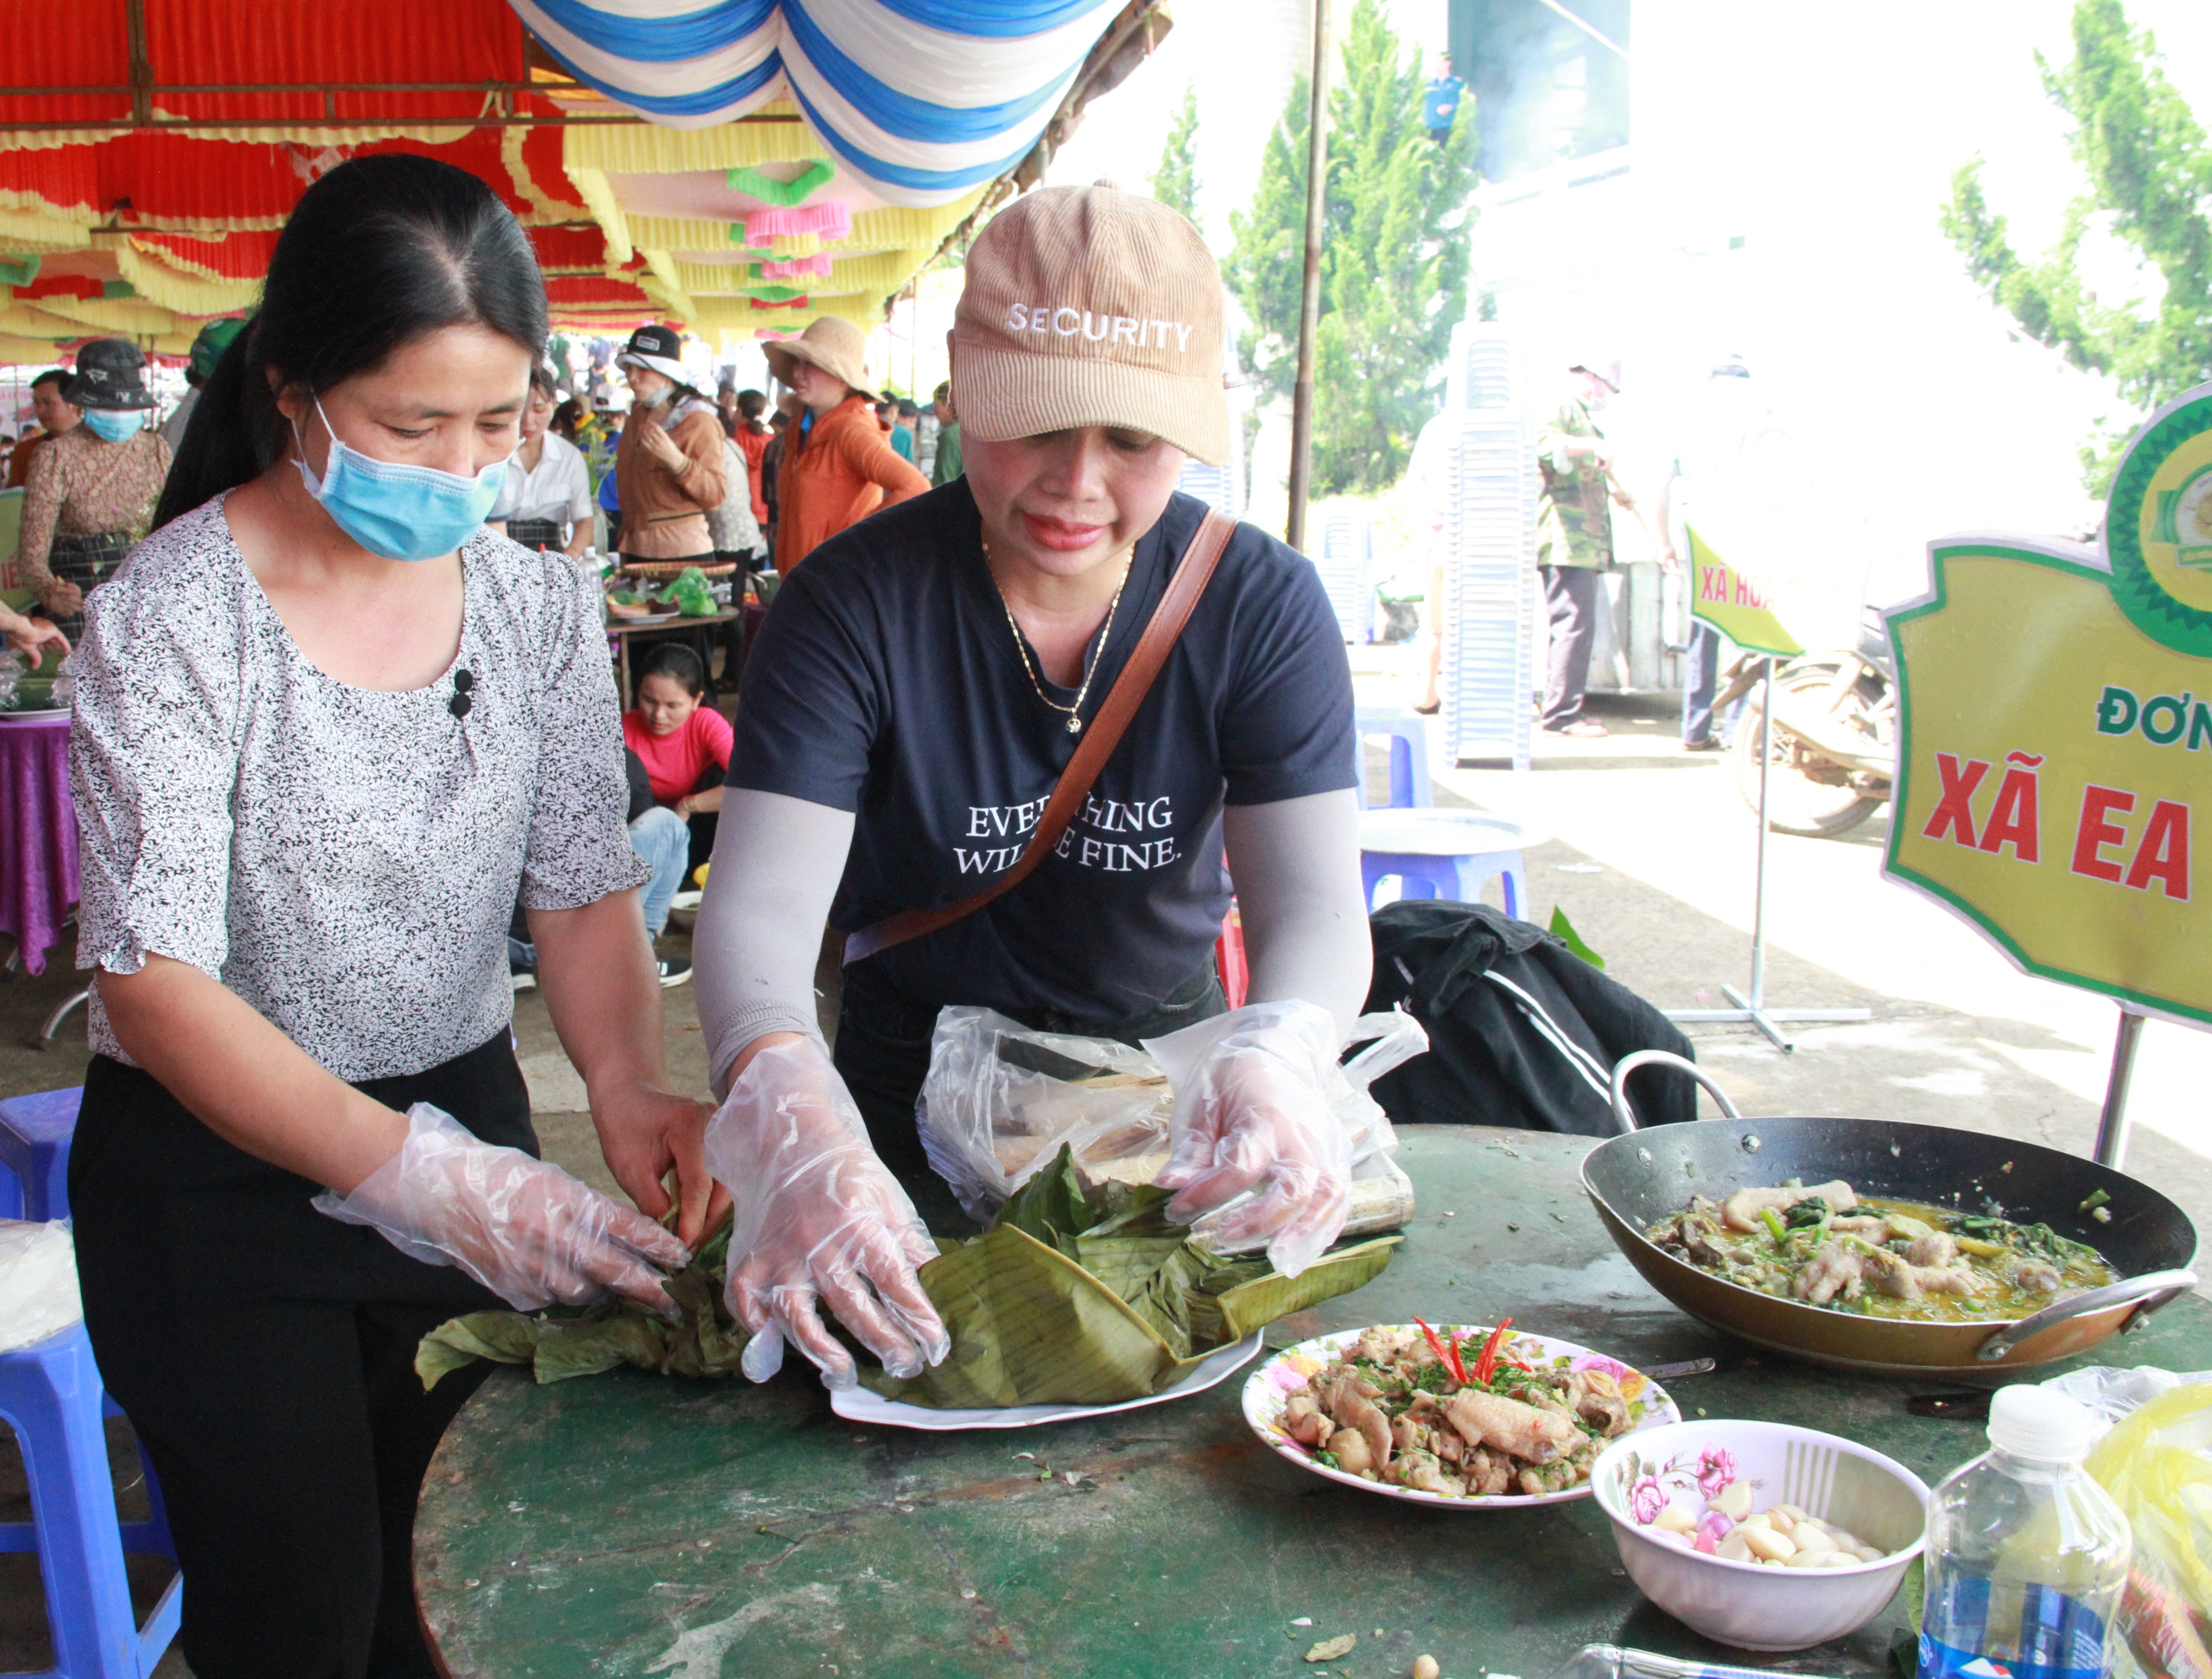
<point>883,1055</point>
<point>266,1355</point>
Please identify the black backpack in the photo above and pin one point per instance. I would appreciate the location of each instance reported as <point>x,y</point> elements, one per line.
<point>1521,1032</point>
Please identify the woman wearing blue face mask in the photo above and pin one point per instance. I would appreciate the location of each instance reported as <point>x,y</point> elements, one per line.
<point>92,490</point>
<point>328,728</point>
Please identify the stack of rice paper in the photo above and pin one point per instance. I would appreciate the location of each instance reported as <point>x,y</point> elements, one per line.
<point>1077,1295</point>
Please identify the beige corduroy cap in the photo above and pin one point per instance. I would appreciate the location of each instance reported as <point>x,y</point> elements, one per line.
<point>829,342</point>
<point>1086,306</point>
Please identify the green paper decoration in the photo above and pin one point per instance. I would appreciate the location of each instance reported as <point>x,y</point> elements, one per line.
<point>783,194</point>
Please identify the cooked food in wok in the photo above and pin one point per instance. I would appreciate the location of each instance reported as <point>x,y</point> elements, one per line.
<point>1410,1408</point>
<point>1827,1245</point>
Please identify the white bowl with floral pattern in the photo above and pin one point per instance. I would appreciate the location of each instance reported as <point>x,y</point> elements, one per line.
<point>1752,1605</point>
<point>1267,1391</point>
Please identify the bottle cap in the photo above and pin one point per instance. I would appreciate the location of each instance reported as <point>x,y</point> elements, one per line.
<point>2034,1422</point>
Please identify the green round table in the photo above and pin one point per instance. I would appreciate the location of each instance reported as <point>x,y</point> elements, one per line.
<point>633,1524</point>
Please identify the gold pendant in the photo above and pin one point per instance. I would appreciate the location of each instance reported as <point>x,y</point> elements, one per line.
<point>1075,725</point>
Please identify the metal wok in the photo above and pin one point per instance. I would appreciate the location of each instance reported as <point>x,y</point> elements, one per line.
<point>1641,1176</point>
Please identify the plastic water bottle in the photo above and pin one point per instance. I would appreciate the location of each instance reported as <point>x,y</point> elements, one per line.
<point>2027,1553</point>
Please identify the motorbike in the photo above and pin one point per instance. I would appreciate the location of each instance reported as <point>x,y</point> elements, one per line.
<point>1832,756</point>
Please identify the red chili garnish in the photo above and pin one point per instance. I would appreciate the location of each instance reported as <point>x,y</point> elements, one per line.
<point>1448,1356</point>
<point>1486,1366</point>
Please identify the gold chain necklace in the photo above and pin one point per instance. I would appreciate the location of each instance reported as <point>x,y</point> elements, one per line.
<point>1098,654</point>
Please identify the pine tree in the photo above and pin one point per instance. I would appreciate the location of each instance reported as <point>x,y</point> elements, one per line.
<point>1175,183</point>
<point>2150,182</point>
<point>1394,258</point>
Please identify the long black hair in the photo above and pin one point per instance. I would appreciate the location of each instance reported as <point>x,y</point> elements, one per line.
<point>379,252</point>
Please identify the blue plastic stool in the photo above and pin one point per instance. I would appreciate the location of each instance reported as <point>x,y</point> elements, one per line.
<point>51,1392</point>
<point>1409,755</point>
<point>34,1148</point>
<point>1443,853</point>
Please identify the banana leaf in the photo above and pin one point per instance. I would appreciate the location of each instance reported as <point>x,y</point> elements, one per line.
<point>558,1345</point>
<point>1084,1296</point>
<point>1076,1295</point>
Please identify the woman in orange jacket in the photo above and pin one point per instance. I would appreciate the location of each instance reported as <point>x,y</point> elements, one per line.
<point>842,467</point>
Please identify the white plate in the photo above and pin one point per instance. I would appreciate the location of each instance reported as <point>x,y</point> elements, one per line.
<point>644,621</point>
<point>1269,1388</point>
<point>864,1405</point>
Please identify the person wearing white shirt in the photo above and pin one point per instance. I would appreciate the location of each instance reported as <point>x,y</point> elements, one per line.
<point>546,501</point>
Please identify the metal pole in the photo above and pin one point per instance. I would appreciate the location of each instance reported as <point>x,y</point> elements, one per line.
<point>1301,395</point>
<point>2113,1123</point>
<point>1752,1009</point>
<point>1759,877</point>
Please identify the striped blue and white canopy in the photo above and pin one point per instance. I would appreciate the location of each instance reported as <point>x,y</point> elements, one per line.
<point>923,100</point>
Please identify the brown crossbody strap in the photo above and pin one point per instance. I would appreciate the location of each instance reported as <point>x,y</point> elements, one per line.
<point>1192,573</point>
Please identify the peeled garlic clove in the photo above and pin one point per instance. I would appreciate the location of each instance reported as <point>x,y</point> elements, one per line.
<point>1735,1549</point>
<point>1792,1511</point>
<point>1810,1541</point>
<point>1809,1560</point>
<point>1673,1536</point>
<point>1868,1553</point>
<point>1757,1520</point>
<point>1675,1519</point>
<point>1780,1520</point>
<point>1768,1545</point>
<point>1733,1501</point>
<point>1837,1560</point>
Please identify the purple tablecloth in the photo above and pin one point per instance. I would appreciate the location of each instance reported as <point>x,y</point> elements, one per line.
<point>37,834</point>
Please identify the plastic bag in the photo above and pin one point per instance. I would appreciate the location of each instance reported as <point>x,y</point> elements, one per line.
<point>38,1282</point>
<point>689,595</point>
<point>2154,1462</point>
<point>1000,1100</point>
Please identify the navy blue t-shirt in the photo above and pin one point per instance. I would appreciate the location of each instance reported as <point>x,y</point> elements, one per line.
<point>886,681</point>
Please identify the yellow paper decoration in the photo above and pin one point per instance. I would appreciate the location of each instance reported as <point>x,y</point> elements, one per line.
<point>645,150</point>
<point>598,195</point>
<point>23,352</point>
<point>173,288</point>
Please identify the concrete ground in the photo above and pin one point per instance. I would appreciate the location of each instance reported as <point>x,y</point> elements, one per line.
<point>1649,851</point>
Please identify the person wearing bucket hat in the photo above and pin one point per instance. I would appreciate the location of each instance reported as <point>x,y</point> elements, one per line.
<point>207,346</point>
<point>91,491</point>
<point>999,737</point>
<point>838,465</point>
<point>669,473</point>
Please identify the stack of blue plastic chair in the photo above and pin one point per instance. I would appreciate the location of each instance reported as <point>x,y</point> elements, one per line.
<point>51,1393</point>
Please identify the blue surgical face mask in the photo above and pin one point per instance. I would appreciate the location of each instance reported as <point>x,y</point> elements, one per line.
<point>112,425</point>
<point>399,512</point>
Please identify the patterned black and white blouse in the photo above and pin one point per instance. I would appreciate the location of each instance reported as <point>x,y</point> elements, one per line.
<point>346,860</point>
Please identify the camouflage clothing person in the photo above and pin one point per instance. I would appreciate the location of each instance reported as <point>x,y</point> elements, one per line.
<point>1574,540</point>
<point>1574,519</point>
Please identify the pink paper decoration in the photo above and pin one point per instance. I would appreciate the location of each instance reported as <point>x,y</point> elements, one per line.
<point>830,220</point>
<point>798,267</point>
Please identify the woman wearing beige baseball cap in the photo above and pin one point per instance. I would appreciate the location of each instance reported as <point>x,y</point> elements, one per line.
<point>1001,736</point>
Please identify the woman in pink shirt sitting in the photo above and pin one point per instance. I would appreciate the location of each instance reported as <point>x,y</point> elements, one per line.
<point>685,748</point>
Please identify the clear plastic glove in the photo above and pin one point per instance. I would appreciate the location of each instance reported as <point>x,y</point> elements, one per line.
<point>523,1228</point>
<point>1257,1152</point>
<point>818,1218</point>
